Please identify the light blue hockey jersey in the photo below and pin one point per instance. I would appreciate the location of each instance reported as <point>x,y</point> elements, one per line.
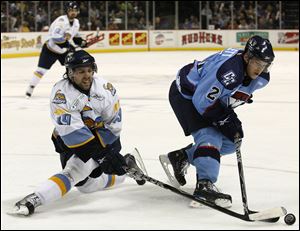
<point>219,78</point>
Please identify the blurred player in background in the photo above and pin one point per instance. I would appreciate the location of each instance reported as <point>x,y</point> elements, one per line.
<point>64,29</point>
<point>86,113</point>
<point>203,98</point>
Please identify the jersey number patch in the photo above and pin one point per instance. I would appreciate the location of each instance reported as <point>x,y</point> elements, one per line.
<point>212,94</point>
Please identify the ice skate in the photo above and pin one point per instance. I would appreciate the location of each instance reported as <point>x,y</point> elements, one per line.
<point>29,91</point>
<point>207,191</point>
<point>26,206</point>
<point>131,161</point>
<point>179,161</point>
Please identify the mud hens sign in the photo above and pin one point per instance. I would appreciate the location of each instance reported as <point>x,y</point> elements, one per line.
<point>202,37</point>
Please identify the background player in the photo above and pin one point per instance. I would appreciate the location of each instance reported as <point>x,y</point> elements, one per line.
<point>203,98</point>
<point>86,113</point>
<point>63,29</point>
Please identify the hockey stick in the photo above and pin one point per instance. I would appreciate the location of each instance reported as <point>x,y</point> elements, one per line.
<point>95,39</point>
<point>248,213</point>
<point>266,215</point>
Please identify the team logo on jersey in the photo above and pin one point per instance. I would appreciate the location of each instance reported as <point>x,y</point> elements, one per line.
<point>64,119</point>
<point>228,78</point>
<point>110,87</point>
<point>59,98</point>
<point>93,124</point>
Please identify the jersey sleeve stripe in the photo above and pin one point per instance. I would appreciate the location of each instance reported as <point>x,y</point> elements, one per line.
<point>81,144</point>
<point>100,139</point>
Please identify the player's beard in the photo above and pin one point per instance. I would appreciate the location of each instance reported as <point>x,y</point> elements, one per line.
<point>71,16</point>
<point>86,84</point>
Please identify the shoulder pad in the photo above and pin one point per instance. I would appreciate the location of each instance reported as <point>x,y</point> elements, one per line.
<point>231,73</point>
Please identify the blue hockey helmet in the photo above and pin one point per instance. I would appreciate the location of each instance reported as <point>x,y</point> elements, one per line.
<point>71,5</point>
<point>260,48</point>
<point>79,58</point>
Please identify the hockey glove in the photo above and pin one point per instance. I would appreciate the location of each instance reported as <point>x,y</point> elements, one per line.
<point>80,42</point>
<point>250,100</point>
<point>229,126</point>
<point>113,163</point>
<point>225,119</point>
<point>84,44</point>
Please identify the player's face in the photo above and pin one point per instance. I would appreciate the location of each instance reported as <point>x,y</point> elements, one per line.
<point>83,77</point>
<point>72,13</point>
<point>255,67</point>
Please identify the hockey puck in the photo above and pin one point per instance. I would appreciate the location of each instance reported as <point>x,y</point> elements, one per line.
<point>289,219</point>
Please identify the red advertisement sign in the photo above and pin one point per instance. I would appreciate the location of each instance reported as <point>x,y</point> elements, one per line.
<point>127,38</point>
<point>114,39</point>
<point>288,37</point>
<point>141,38</point>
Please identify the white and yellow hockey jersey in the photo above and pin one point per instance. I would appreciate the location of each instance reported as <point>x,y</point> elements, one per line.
<point>79,118</point>
<point>59,27</point>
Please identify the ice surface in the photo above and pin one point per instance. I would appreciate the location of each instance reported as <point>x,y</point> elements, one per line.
<point>270,149</point>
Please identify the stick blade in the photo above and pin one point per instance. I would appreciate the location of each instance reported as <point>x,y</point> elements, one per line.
<point>269,215</point>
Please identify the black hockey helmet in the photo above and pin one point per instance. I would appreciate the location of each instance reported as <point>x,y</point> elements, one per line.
<point>79,58</point>
<point>260,48</point>
<point>71,5</point>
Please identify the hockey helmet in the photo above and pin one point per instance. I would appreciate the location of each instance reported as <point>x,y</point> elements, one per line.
<point>79,58</point>
<point>260,48</point>
<point>71,5</point>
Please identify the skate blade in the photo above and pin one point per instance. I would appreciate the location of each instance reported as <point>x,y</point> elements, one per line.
<point>219,202</point>
<point>17,211</point>
<point>139,160</point>
<point>165,163</point>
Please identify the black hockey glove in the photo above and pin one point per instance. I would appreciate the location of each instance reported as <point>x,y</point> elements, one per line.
<point>110,159</point>
<point>80,42</point>
<point>84,44</point>
<point>230,125</point>
<point>250,100</point>
<point>225,119</point>
<point>113,163</point>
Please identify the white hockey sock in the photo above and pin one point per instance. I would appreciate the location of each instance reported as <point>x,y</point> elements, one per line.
<point>101,182</point>
<point>37,76</point>
<point>54,188</point>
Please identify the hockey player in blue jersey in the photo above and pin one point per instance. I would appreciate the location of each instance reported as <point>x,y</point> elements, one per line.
<point>62,30</point>
<point>86,113</point>
<point>203,97</point>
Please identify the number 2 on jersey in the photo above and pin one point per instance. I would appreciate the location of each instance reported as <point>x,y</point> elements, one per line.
<point>212,94</point>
